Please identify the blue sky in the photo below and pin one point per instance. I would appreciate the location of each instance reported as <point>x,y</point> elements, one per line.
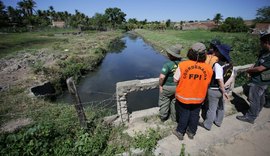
<point>157,10</point>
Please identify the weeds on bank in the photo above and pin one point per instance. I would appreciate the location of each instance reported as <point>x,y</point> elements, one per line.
<point>146,141</point>
<point>13,104</point>
<point>183,150</point>
<point>56,131</point>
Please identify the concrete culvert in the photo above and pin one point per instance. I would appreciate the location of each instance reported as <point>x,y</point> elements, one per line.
<point>43,90</point>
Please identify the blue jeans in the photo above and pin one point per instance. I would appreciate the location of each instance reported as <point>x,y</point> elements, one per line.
<point>188,117</point>
<point>256,98</point>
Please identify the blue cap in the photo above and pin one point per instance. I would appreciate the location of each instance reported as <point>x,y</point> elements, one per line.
<point>225,51</point>
<point>215,42</point>
<point>264,35</point>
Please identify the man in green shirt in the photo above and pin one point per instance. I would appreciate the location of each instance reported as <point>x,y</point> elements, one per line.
<point>260,79</point>
<point>166,84</point>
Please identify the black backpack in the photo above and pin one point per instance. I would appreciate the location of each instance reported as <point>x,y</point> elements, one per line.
<point>227,72</point>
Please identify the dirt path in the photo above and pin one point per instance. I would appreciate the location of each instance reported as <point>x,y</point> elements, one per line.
<point>254,142</point>
<point>232,138</point>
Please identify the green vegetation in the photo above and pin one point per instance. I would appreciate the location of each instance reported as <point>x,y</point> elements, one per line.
<point>217,18</point>
<point>14,43</point>
<point>243,44</point>
<point>55,129</point>
<point>60,55</point>
<point>263,14</point>
<point>183,150</point>
<point>232,24</point>
<point>25,18</point>
<point>147,141</point>
<point>55,54</point>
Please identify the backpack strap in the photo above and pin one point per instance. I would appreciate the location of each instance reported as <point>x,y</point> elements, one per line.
<point>214,65</point>
<point>175,63</point>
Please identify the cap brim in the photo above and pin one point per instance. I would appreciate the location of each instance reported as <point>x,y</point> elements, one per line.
<point>173,54</point>
<point>265,36</point>
<point>227,56</point>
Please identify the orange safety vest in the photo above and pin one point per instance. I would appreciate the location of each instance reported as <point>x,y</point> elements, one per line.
<point>211,59</point>
<point>193,83</point>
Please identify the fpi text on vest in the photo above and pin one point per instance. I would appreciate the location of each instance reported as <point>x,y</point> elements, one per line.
<point>195,76</point>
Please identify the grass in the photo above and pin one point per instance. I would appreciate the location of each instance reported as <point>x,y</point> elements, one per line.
<point>11,44</point>
<point>54,124</point>
<point>81,52</point>
<point>84,52</point>
<point>164,39</point>
<point>16,43</point>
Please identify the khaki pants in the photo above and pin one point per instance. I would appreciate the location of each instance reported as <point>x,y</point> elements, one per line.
<point>167,103</point>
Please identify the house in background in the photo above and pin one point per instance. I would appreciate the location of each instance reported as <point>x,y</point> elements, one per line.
<point>205,25</point>
<point>261,27</point>
<point>58,24</point>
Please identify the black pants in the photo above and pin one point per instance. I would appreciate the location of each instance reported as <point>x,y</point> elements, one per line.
<point>188,117</point>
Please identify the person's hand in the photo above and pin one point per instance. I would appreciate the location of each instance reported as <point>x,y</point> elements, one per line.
<point>226,95</point>
<point>227,86</point>
<point>160,89</point>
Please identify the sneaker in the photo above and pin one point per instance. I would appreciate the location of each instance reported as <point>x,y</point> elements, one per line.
<point>190,135</point>
<point>217,124</point>
<point>202,125</point>
<point>245,119</point>
<point>179,135</point>
<point>267,106</point>
<point>163,120</point>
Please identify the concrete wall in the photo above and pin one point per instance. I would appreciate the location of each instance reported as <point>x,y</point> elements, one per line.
<point>123,88</point>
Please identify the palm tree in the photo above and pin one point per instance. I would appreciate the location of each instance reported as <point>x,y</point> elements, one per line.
<point>14,16</point>
<point>115,16</point>
<point>3,15</point>
<point>51,13</point>
<point>2,7</point>
<point>27,7</point>
<point>168,23</point>
<point>31,4</point>
<point>99,21</point>
<point>217,18</point>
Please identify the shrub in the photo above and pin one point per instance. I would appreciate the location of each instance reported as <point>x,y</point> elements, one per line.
<point>46,139</point>
<point>232,24</point>
<point>245,50</point>
<point>37,66</point>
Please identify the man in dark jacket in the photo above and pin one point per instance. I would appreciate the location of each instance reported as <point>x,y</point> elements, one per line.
<point>260,79</point>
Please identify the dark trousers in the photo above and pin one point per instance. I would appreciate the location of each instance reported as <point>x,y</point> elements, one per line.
<point>188,117</point>
<point>257,100</point>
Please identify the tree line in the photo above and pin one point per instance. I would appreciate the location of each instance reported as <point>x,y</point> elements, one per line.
<point>25,17</point>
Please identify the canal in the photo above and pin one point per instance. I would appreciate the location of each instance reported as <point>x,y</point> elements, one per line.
<point>130,58</point>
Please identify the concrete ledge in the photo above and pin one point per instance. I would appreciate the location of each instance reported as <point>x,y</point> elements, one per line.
<point>123,88</point>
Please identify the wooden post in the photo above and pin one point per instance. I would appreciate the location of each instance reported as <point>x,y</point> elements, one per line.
<point>78,105</point>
